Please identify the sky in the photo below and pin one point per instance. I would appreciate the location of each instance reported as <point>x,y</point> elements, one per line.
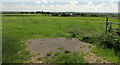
<point>61,5</point>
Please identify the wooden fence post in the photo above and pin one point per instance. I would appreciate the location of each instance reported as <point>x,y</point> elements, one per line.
<point>106,23</point>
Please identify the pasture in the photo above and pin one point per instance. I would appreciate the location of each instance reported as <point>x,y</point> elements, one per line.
<point>16,30</point>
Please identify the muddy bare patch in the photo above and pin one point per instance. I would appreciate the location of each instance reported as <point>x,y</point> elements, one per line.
<point>41,48</point>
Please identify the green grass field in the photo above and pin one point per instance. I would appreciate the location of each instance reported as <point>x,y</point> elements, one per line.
<point>17,29</point>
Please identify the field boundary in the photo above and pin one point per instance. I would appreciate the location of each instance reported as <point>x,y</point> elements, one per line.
<point>109,27</point>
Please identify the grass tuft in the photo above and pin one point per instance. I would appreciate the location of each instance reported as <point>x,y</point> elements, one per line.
<point>60,48</point>
<point>49,54</point>
<point>39,59</point>
<point>107,54</point>
<point>67,51</point>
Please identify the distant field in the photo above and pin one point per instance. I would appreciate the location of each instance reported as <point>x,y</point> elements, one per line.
<point>17,29</point>
<point>22,14</point>
<point>52,26</point>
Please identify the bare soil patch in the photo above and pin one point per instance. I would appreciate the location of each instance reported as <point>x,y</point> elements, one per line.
<point>40,47</point>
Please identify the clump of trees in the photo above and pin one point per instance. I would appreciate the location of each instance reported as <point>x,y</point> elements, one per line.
<point>55,14</point>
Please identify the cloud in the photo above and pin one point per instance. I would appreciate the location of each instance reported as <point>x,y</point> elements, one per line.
<point>107,7</point>
<point>74,2</point>
<point>113,4</point>
<point>52,1</point>
<point>37,2</point>
<point>85,0</point>
<point>112,0</point>
<point>51,6</point>
<point>90,3</point>
<point>98,8</point>
<point>0,6</point>
<point>101,7</point>
<point>44,1</point>
<point>71,4</point>
<point>43,5</point>
<point>58,5</point>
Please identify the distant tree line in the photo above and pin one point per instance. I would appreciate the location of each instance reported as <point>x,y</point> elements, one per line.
<point>64,14</point>
<point>86,14</point>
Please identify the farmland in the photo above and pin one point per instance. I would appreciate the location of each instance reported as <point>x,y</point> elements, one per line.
<point>16,30</point>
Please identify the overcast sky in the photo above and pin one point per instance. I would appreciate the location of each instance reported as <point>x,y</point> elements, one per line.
<point>61,5</point>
